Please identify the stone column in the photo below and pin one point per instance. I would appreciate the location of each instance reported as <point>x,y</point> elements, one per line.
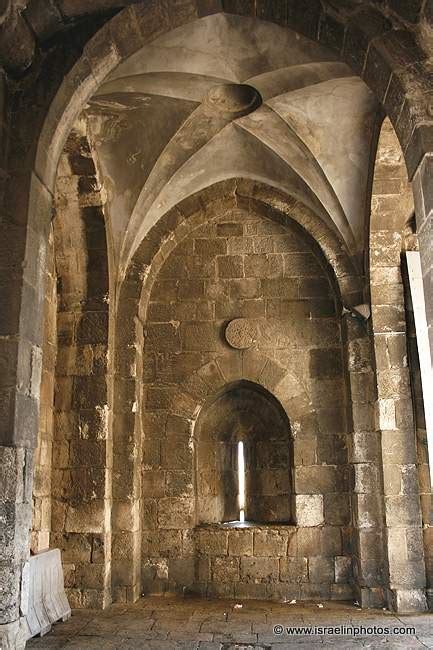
<point>21,334</point>
<point>394,420</point>
<point>127,448</point>
<point>82,449</point>
<point>365,455</point>
<point>15,516</point>
<point>42,488</point>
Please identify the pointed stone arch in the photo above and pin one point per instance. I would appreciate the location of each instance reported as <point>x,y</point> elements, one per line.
<point>387,58</point>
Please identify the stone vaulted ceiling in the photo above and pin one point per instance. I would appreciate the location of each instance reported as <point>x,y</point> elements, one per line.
<point>228,96</point>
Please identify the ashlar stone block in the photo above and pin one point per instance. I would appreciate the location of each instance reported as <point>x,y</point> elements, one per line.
<point>258,570</point>
<point>309,509</point>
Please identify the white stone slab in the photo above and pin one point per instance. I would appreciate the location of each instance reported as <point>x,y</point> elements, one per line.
<point>46,598</point>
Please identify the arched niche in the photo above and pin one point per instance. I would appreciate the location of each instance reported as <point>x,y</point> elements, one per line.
<point>243,412</point>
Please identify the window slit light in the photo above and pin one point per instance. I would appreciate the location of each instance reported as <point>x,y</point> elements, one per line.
<point>241,480</point>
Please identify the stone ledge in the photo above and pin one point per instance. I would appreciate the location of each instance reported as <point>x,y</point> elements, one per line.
<point>247,524</point>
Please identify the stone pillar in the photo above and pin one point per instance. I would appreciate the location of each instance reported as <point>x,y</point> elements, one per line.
<point>81,475</point>
<point>21,334</point>
<point>394,419</point>
<point>82,450</point>
<point>41,521</point>
<point>15,516</point>
<point>127,453</point>
<point>365,455</point>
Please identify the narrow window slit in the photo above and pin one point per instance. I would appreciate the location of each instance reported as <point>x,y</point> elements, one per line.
<point>241,481</point>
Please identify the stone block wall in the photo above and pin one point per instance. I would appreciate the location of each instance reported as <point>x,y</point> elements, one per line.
<point>368,544</point>
<point>275,562</point>
<point>241,264</point>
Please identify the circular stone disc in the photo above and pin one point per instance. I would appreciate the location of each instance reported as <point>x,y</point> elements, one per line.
<point>232,100</point>
<point>241,334</point>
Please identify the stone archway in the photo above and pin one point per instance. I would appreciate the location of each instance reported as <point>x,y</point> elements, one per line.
<point>183,404</point>
<point>129,361</point>
<point>390,54</point>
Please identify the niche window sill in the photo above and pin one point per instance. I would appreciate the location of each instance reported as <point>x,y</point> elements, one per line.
<point>249,524</point>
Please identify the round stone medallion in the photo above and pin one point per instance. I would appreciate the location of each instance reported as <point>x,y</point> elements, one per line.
<point>232,100</point>
<point>241,334</point>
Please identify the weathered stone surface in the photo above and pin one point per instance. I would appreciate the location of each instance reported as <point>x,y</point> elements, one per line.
<point>213,542</point>
<point>241,334</point>
<point>316,479</point>
<point>240,542</point>
<point>225,569</point>
<point>343,569</point>
<point>270,544</point>
<point>259,569</point>
<point>321,570</point>
<point>294,570</point>
<point>309,509</point>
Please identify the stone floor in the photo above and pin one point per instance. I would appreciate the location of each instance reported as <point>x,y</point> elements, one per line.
<point>189,624</point>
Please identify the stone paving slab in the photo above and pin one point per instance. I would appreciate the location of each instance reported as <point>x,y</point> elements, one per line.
<point>170,623</point>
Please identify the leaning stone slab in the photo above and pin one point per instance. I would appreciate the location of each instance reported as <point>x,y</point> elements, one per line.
<point>47,602</point>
